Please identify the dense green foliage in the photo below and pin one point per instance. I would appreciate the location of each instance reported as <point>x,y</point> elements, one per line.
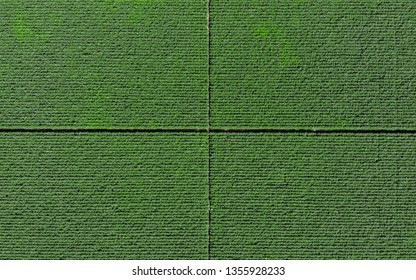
<point>109,63</point>
<point>103,196</point>
<point>313,63</point>
<point>179,66</point>
<point>313,196</point>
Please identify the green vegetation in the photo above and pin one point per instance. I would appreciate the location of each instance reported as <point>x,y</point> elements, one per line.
<point>103,63</point>
<point>21,30</point>
<point>313,64</point>
<point>103,196</point>
<point>313,196</point>
<point>143,64</point>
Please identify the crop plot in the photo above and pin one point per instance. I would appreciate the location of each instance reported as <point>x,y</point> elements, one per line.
<point>103,64</point>
<point>313,64</point>
<point>313,196</point>
<point>103,196</point>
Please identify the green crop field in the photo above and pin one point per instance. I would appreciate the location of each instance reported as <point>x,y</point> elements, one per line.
<point>313,63</point>
<point>105,196</point>
<point>207,129</point>
<point>112,63</point>
<point>313,196</point>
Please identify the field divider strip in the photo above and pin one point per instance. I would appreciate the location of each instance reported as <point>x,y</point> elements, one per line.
<point>315,131</point>
<point>209,124</point>
<point>207,130</point>
<point>105,130</point>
